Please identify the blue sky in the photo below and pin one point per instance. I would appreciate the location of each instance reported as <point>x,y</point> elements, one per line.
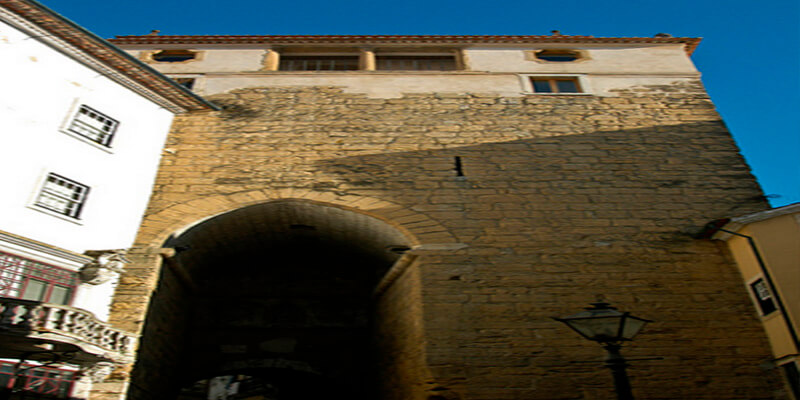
<point>750,55</point>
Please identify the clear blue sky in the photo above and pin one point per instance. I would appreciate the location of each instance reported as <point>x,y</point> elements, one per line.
<point>750,57</point>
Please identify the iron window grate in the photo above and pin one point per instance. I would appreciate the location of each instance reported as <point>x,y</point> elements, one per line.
<point>415,63</point>
<point>319,63</point>
<point>63,196</point>
<point>94,125</point>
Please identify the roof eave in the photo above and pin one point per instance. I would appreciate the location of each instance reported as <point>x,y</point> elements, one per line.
<point>97,53</point>
<point>690,44</point>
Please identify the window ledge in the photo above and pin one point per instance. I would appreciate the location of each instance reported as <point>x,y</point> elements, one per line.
<point>555,94</point>
<point>55,214</point>
<point>108,150</point>
<point>368,72</point>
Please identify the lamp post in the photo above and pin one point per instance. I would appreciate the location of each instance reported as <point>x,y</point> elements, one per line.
<point>604,324</point>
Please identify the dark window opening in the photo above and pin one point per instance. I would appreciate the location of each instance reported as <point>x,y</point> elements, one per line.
<point>793,376</point>
<point>763,296</point>
<point>558,55</point>
<point>174,55</point>
<point>25,279</point>
<point>415,63</point>
<point>458,167</point>
<point>318,63</point>
<point>185,82</point>
<point>556,85</point>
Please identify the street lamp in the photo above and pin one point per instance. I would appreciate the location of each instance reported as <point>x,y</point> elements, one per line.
<point>604,324</point>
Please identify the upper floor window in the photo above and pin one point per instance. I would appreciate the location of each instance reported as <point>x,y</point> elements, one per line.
<point>62,195</point>
<point>25,279</point>
<point>558,55</point>
<point>555,85</point>
<point>415,62</point>
<point>174,55</point>
<point>318,63</point>
<point>93,125</point>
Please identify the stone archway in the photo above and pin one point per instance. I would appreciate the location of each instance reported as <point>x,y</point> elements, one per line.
<point>286,288</point>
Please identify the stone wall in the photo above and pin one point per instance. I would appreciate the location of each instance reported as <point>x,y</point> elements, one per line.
<point>559,199</point>
<point>399,335</point>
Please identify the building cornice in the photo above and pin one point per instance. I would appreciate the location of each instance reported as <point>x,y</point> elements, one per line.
<point>690,44</point>
<point>39,248</point>
<point>96,53</point>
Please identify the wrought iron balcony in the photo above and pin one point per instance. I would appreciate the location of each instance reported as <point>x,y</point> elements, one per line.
<point>27,325</point>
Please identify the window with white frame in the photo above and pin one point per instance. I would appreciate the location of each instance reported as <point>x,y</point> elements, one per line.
<point>21,278</point>
<point>556,84</point>
<point>93,125</point>
<point>62,195</point>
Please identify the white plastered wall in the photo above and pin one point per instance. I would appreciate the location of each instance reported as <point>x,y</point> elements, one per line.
<point>42,87</point>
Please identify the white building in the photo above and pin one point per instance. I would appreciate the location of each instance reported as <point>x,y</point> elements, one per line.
<point>82,125</point>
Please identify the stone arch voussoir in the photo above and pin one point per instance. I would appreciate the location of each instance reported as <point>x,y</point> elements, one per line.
<point>418,227</point>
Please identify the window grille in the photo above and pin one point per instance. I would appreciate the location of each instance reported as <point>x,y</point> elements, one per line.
<point>415,63</point>
<point>54,382</point>
<point>763,296</point>
<point>93,125</point>
<point>25,279</point>
<point>318,63</point>
<point>63,196</point>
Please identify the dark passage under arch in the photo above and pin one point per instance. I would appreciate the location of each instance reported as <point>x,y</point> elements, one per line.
<point>272,300</point>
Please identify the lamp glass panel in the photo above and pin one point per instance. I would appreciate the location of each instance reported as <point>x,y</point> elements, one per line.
<point>632,327</point>
<point>597,327</point>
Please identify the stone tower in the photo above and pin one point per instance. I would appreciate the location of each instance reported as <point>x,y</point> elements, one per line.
<point>399,217</point>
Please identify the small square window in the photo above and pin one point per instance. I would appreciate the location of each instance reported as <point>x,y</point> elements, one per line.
<point>185,82</point>
<point>556,85</point>
<point>63,196</point>
<point>171,56</point>
<point>763,296</point>
<point>93,125</point>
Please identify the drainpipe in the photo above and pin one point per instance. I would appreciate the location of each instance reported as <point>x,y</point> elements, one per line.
<point>717,226</point>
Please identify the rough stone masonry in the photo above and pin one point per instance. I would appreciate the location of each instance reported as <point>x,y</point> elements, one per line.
<point>547,202</point>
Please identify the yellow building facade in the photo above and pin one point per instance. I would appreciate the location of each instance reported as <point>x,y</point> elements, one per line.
<point>766,247</point>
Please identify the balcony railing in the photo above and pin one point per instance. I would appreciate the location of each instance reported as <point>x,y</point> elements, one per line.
<point>64,324</point>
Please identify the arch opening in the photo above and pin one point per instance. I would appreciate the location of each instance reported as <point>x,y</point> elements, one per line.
<point>273,300</point>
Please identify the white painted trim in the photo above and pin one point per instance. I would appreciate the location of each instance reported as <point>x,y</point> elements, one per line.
<point>71,115</point>
<point>40,186</point>
<point>25,248</point>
